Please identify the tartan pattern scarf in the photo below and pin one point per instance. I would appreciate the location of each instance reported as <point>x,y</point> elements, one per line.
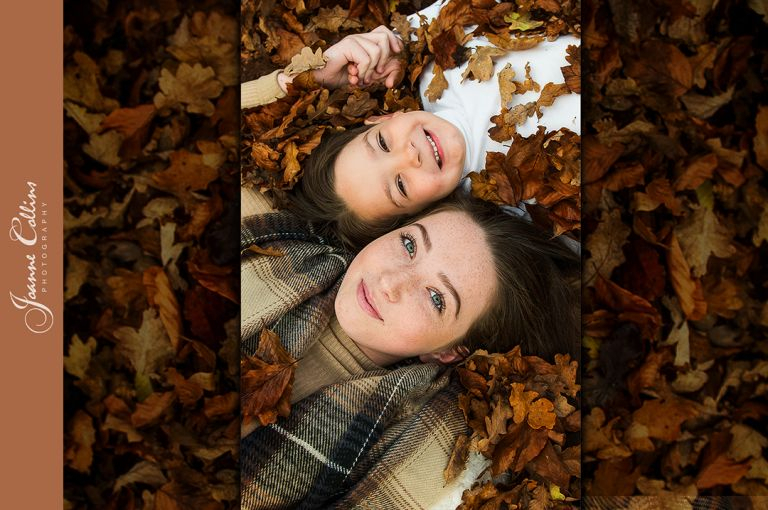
<point>378,440</point>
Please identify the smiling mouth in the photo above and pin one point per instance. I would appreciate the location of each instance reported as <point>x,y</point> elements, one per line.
<point>364,300</point>
<point>436,149</point>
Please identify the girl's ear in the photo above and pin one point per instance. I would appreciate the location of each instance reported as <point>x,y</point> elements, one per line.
<point>447,356</point>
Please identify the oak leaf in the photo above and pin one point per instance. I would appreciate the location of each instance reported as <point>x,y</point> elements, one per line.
<point>334,19</point>
<point>572,72</point>
<point>266,380</point>
<point>148,348</point>
<point>193,86</point>
<point>207,38</point>
<point>76,363</point>
<point>161,295</point>
<point>480,65</point>
<point>305,61</point>
<point>437,86</point>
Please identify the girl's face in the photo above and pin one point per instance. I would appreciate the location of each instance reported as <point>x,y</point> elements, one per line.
<point>418,289</point>
<point>399,166</point>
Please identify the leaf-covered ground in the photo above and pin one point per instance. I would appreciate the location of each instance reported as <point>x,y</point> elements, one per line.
<point>675,222</point>
<point>522,411</point>
<point>151,314</point>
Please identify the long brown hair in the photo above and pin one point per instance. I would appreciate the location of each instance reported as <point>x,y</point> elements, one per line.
<point>314,198</point>
<point>537,293</point>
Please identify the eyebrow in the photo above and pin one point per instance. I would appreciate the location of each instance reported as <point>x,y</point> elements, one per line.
<point>425,235</point>
<point>443,276</point>
<point>453,292</point>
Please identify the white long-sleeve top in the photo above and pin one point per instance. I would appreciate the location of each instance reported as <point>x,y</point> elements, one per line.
<point>471,104</point>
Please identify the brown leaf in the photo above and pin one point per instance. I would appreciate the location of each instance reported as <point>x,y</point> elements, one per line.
<point>266,380</point>
<point>480,65</point>
<point>517,448</point>
<point>698,171</point>
<point>572,72</point>
<point>130,121</point>
<point>600,437</point>
<point>221,405</point>
<point>213,277</point>
<point>687,288</point>
<point>760,142</point>
<point>161,295</point>
<point>290,163</point>
<point>334,19</point>
<point>269,251</point>
<point>549,465</point>
<point>663,418</point>
<point>359,104</point>
<point>549,93</point>
<point>437,85</point>
<point>76,363</point>
<point>305,60</point>
<point>152,408</point>
<point>458,458</point>
<point>605,246</point>
<point>79,455</point>
<point>717,468</point>
<point>187,172</point>
<point>193,86</point>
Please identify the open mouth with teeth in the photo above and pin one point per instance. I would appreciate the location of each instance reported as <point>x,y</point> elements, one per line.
<point>435,149</point>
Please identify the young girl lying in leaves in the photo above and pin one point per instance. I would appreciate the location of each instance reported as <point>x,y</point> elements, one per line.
<point>364,180</point>
<point>374,416</point>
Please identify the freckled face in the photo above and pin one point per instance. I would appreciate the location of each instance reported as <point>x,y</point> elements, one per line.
<point>400,165</point>
<point>418,289</point>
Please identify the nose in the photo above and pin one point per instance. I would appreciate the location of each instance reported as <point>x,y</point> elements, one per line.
<point>408,156</point>
<point>393,284</point>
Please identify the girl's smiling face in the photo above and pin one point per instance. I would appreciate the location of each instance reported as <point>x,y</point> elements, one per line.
<point>418,289</point>
<point>403,163</point>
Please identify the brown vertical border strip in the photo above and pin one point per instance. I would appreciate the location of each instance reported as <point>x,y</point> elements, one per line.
<point>31,257</point>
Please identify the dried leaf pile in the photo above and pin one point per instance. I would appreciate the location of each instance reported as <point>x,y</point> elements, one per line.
<point>675,309</point>
<point>523,415</point>
<point>151,313</point>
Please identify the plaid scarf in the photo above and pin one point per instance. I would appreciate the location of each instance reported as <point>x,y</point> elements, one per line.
<point>378,440</point>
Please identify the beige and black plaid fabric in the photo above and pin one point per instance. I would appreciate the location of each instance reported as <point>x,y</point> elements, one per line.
<point>378,440</point>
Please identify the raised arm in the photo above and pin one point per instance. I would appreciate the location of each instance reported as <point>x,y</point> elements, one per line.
<point>356,60</point>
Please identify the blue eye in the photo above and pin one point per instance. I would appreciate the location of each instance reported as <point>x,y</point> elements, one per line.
<point>437,300</point>
<point>409,244</point>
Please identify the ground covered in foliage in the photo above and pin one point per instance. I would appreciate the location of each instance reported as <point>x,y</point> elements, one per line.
<point>151,298</point>
<point>675,222</point>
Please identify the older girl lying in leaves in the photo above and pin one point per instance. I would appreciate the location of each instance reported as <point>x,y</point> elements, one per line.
<point>364,180</point>
<point>374,414</point>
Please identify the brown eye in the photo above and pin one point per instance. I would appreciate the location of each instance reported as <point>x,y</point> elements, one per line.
<point>401,186</point>
<point>382,143</point>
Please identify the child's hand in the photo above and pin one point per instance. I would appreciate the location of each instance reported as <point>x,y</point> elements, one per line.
<point>363,59</point>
